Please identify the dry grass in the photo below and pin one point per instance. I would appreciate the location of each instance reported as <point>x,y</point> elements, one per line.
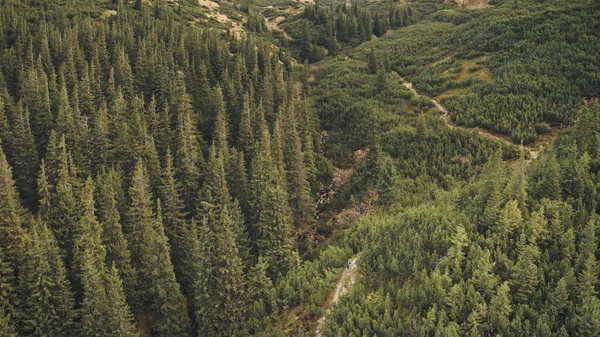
<point>470,69</point>
<point>475,69</point>
<point>474,4</point>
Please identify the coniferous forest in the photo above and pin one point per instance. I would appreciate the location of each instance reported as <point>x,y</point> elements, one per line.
<point>299,168</point>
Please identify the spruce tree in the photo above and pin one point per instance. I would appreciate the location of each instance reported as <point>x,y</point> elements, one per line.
<point>181,233</point>
<point>260,298</point>
<point>246,135</point>
<point>94,305</point>
<point>159,292</point>
<point>47,306</point>
<point>298,186</point>
<point>525,276</point>
<point>36,99</point>
<point>170,304</point>
<point>104,311</point>
<point>119,316</point>
<point>64,205</point>
<point>99,142</point>
<point>24,156</point>
<point>219,288</point>
<point>12,233</point>
<point>272,230</point>
<point>187,153</point>
<point>118,254</point>
<point>8,298</point>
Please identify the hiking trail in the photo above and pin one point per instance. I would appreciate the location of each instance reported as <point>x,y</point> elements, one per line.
<point>533,152</point>
<point>344,285</point>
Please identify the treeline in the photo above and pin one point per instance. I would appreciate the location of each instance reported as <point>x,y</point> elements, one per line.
<point>512,253</point>
<point>332,28</point>
<point>153,175</point>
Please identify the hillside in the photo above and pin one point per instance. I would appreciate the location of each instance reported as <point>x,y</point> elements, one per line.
<point>299,168</point>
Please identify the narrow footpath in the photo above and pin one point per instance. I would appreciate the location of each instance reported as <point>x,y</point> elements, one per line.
<point>533,152</point>
<point>344,285</point>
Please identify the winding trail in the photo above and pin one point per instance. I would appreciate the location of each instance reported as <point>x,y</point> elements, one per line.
<point>344,285</point>
<point>533,152</point>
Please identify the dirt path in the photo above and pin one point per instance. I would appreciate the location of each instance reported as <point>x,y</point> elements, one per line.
<point>533,152</point>
<point>273,26</point>
<point>343,286</point>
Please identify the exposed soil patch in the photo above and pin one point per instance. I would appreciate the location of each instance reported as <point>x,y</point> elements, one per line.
<point>474,4</point>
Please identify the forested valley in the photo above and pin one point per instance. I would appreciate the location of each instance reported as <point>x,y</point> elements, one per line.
<point>299,168</point>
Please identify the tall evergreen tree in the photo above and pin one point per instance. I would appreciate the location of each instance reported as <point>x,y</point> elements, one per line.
<point>219,288</point>
<point>36,99</point>
<point>12,233</point>
<point>64,205</point>
<point>118,254</point>
<point>47,308</point>
<point>159,292</point>
<point>298,186</point>
<point>8,298</point>
<point>181,232</point>
<point>272,230</point>
<point>188,155</point>
<point>24,156</point>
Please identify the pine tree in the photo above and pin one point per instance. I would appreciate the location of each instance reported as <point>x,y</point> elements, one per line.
<point>298,186</point>
<point>8,298</point>
<point>182,234</point>
<point>64,206</point>
<point>12,233</point>
<point>159,291</point>
<point>272,231</point>
<point>119,317</point>
<point>47,308</point>
<point>525,273</point>
<point>187,153</point>
<point>260,298</point>
<point>24,156</point>
<point>219,288</point>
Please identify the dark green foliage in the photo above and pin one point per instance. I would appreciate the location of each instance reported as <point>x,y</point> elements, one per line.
<point>118,254</point>
<point>158,291</point>
<point>272,225</point>
<point>23,155</point>
<point>180,163</point>
<point>479,261</point>
<point>11,223</point>
<point>219,286</point>
<point>47,308</point>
